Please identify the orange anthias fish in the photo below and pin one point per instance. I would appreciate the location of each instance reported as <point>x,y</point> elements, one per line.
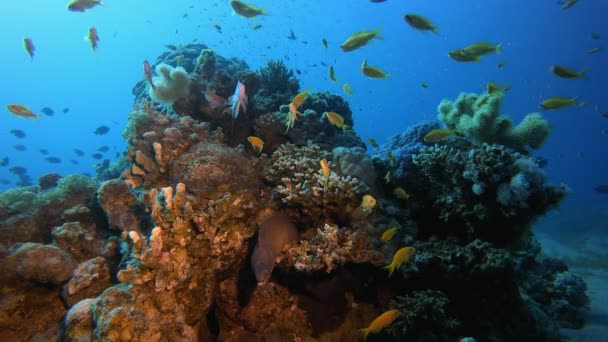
<point>148,74</point>
<point>336,119</point>
<point>29,47</point>
<point>380,323</point>
<point>256,143</point>
<point>401,257</point>
<point>22,111</point>
<point>325,168</point>
<point>93,38</point>
<point>293,108</point>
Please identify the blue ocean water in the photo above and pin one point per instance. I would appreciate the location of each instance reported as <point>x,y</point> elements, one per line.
<point>96,88</point>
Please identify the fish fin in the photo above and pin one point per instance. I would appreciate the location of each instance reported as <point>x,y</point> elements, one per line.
<point>498,50</point>
<point>390,268</point>
<point>583,75</point>
<point>365,332</point>
<point>377,32</point>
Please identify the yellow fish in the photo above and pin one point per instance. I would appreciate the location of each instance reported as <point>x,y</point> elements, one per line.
<point>437,134</point>
<point>246,10</point>
<point>460,56</point>
<point>325,168</point>
<point>367,203</point>
<point>565,72</point>
<point>420,23</point>
<point>299,98</point>
<point>359,39</point>
<point>336,119</point>
<point>569,4</point>
<point>400,193</point>
<point>372,71</point>
<point>347,89</point>
<point>372,142</point>
<point>481,48</point>
<point>83,5</point>
<point>379,323</point>
<point>558,102</point>
<point>388,234</point>
<point>332,74</point>
<point>292,116</point>
<point>256,143</point>
<point>495,89</point>
<point>401,257</point>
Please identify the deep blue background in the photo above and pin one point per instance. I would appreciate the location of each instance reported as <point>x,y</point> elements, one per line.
<point>97,87</point>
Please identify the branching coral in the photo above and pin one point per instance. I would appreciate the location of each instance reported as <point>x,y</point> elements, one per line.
<point>300,182</point>
<point>424,316</point>
<point>478,117</point>
<point>330,248</point>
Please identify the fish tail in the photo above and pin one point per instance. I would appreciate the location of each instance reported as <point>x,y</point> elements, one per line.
<point>390,268</point>
<point>435,30</point>
<point>497,49</point>
<point>365,332</point>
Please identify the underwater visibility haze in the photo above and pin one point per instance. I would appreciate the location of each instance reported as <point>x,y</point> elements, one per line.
<point>304,171</point>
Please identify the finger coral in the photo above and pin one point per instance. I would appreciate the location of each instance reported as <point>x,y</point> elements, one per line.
<point>300,183</point>
<point>478,117</point>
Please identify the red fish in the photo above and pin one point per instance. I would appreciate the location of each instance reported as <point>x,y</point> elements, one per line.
<point>93,38</point>
<point>148,73</point>
<point>29,47</point>
<point>22,111</point>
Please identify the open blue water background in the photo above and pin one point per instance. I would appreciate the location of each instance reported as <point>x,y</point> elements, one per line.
<point>97,87</point>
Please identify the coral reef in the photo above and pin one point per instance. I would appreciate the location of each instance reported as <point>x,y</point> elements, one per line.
<point>488,192</point>
<point>170,85</point>
<point>402,147</point>
<point>193,236</point>
<point>300,183</point>
<point>424,316</point>
<point>277,86</point>
<point>478,117</point>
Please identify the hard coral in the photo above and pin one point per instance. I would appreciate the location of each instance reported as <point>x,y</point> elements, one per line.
<point>489,192</point>
<point>300,183</point>
<point>330,248</point>
<point>478,117</point>
<point>424,315</point>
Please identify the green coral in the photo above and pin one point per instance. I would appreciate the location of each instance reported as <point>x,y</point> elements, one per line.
<point>72,186</point>
<point>478,117</point>
<point>17,200</point>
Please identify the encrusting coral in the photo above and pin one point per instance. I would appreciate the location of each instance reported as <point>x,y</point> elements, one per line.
<point>478,117</point>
